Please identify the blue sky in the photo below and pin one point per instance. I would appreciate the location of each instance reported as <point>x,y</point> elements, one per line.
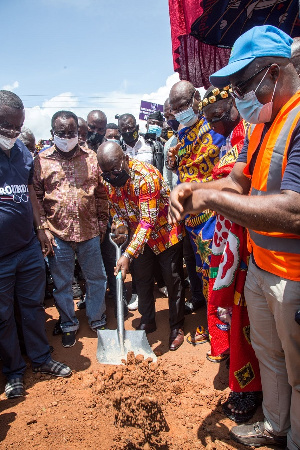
<point>85,54</point>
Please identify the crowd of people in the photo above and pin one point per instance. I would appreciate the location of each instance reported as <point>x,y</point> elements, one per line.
<point>213,183</point>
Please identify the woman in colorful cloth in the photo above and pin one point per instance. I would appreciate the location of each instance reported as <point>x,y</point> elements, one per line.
<point>228,321</point>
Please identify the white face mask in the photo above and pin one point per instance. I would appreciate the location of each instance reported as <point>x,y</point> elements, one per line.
<point>65,144</point>
<point>7,143</point>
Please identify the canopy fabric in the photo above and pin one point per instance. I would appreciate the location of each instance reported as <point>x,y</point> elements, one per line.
<point>203,31</point>
<point>192,59</point>
<point>222,21</point>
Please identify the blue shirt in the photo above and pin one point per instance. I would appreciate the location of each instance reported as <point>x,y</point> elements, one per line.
<point>16,216</point>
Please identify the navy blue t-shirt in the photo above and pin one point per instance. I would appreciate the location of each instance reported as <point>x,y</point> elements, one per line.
<point>291,176</point>
<point>16,216</point>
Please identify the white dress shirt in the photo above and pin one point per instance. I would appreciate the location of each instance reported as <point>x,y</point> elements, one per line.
<point>142,151</point>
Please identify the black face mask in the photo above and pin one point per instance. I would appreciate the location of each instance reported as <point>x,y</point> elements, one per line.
<point>130,136</point>
<point>118,181</point>
<point>173,123</point>
<point>95,139</point>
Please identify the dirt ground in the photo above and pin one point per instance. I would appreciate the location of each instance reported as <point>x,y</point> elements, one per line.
<point>171,404</point>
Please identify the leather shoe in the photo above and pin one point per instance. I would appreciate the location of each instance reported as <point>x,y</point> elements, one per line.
<point>255,435</point>
<point>176,338</point>
<point>148,327</point>
<point>192,305</point>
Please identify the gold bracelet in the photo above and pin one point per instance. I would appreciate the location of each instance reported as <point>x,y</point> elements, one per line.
<point>42,227</point>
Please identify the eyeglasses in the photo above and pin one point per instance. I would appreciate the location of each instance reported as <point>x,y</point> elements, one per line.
<point>63,135</point>
<point>239,91</point>
<point>115,172</point>
<point>7,128</point>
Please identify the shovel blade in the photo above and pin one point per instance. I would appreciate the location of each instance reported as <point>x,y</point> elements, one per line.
<point>109,349</point>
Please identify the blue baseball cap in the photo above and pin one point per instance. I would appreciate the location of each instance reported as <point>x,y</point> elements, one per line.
<point>265,40</point>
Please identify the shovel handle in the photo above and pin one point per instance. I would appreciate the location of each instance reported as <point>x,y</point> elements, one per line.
<point>118,247</point>
<point>119,282</point>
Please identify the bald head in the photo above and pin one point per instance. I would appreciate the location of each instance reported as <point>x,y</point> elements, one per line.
<point>28,138</point>
<point>183,95</point>
<point>182,90</point>
<point>166,106</point>
<point>167,111</point>
<point>110,156</point>
<point>96,114</point>
<point>82,131</point>
<point>296,54</point>
<point>97,122</point>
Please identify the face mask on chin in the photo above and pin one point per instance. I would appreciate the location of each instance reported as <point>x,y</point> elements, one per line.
<point>7,143</point>
<point>95,139</point>
<point>130,136</point>
<point>252,110</point>
<point>64,144</point>
<point>118,181</point>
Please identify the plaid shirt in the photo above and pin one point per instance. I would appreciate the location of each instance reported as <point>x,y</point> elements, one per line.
<point>142,205</point>
<point>73,202</point>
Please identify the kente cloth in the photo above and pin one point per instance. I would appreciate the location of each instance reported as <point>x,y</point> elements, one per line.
<point>201,239</point>
<point>228,321</point>
<point>198,154</point>
<point>142,206</point>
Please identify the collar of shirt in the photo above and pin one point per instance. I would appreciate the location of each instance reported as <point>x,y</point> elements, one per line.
<point>142,151</point>
<point>140,146</point>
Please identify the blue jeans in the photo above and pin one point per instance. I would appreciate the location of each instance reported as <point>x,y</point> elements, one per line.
<point>22,274</point>
<point>62,270</point>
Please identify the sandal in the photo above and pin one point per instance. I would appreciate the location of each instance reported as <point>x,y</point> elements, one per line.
<point>200,336</point>
<point>244,405</point>
<point>218,358</point>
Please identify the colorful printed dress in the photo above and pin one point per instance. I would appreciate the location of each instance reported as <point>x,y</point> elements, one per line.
<point>228,321</point>
<point>199,149</point>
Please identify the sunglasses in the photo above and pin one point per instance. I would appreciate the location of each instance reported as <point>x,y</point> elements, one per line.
<point>239,90</point>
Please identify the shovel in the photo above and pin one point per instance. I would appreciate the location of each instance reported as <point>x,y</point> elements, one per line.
<point>113,345</point>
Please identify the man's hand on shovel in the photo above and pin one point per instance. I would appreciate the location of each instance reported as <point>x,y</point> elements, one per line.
<point>120,233</point>
<point>123,266</point>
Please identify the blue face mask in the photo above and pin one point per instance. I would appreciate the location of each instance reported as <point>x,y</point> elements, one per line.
<point>252,110</point>
<point>187,117</point>
<point>155,129</point>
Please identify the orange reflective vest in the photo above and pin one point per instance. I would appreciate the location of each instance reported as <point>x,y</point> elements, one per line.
<point>277,253</point>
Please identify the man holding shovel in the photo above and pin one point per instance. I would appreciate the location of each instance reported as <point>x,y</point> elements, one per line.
<point>139,199</point>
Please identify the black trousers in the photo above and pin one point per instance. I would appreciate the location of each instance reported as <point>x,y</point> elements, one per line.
<point>190,261</point>
<point>171,267</point>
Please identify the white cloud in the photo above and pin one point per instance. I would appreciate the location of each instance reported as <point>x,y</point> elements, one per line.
<point>38,119</point>
<point>11,87</point>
